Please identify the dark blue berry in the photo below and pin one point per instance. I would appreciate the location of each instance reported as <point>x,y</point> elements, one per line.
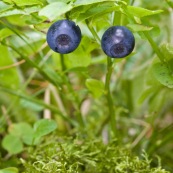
<point>63,36</point>
<point>117,42</point>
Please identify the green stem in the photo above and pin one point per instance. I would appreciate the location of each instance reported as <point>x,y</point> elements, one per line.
<point>76,103</point>
<point>63,66</point>
<point>154,46</point>
<point>109,97</point>
<point>107,85</point>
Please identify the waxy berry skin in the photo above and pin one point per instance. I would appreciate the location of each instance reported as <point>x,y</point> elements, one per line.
<point>64,36</point>
<point>117,42</point>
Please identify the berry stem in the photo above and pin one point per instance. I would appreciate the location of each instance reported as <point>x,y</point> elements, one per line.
<point>63,66</point>
<point>76,103</point>
<point>109,97</point>
<point>107,85</point>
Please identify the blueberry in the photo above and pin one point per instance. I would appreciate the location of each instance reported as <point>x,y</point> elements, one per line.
<point>117,42</point>
<point>64,36</point>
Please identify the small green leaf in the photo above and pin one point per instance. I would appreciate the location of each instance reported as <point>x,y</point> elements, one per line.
<point>5,32</point>
<point>137,27</point>
<point>169,3</point>
<point>26,135</point>
<point>54,10</point>
<point>17,129</point>
<point>98,9</point>
<point>9,170</point>
<point>53,74</point>
<point>25,11</point>
<point>44,127</point>
<point>4,6</point>
<point>154,32</point>
<point>96,87</point>
<point>148,92</point>
<point>65,1</point>
<point>30,105</point>
<point>167,50</point>
<point>142,12</point>
<point>24,2</point>
<point>86,2</point>
<point>9,77</point>
<point>162,74</point>
<point>12,144</point>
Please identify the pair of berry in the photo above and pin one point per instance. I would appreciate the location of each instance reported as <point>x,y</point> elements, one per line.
<point>64,37</point>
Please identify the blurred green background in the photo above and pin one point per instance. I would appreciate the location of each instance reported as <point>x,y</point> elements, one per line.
<point>32,75</point>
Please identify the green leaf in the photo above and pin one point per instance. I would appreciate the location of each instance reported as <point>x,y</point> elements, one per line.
<point>4,6</point>
<point>142,12</point>
<point>9,170</point>
<point>65,1</point>
<point>12,144</point>
<point>162,74</point>
<point>167,50</point>
<point>148,92</point>
<point>154,32</point>
<point>44,127</point>
<point>9,77</point>
<point>80,57</point>
<point>25,11</point>
<point>74,60</point>
<point>5,32</point>
<point>170,3</point>
<point>17,129</point>
<point>96,87</point>
<point>30,105</point>
<point>54,10</point>
<point>53,74</point>
<point>137,27</point>
<point>86,2</point>
<point>27,135</point>
<point>24,2</point>
<point>98,9</point>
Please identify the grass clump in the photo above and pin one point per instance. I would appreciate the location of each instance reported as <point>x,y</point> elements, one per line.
<point>69,155</point>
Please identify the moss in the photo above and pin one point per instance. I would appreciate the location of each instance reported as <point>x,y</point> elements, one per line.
<point>69,155</point>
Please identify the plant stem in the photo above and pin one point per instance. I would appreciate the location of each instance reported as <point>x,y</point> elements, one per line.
<point>63,66</point>
<point>107,85</point>
<point>109,97</point>
<point>76,103</point>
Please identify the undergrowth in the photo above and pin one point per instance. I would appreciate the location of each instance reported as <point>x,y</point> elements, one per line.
<point>68,155</point>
